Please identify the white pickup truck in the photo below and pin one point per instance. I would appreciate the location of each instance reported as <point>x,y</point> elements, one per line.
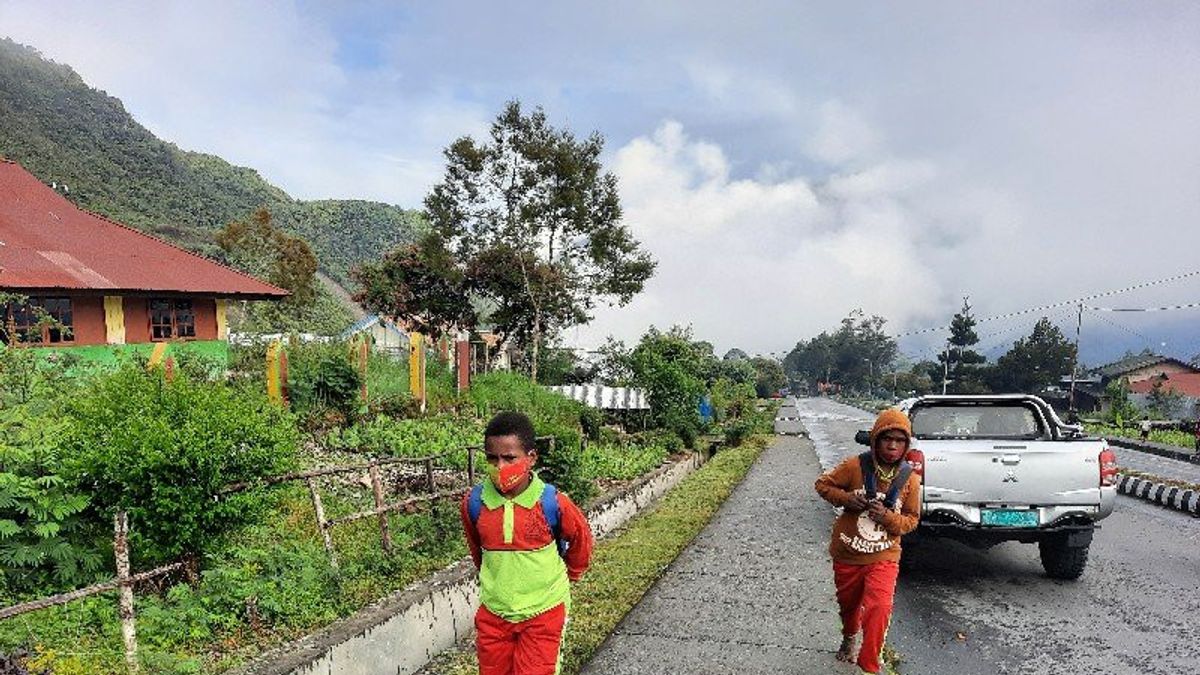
<point>1006,468</point>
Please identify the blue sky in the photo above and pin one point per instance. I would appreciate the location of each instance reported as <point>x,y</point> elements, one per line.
<point>786,162</point>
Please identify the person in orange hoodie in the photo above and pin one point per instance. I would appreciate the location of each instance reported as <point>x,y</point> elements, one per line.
<point>529,542</point>
<point>880,497</point>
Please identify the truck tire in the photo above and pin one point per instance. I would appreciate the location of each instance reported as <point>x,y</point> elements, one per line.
<point>1062,560</point>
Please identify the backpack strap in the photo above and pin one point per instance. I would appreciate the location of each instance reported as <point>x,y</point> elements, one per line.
<point>475,504</point>
<point>898,484</point>
<point>866,462</point>
<point>550,513</point>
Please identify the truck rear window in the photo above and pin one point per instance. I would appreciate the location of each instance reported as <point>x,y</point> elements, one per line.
<point>975,421</point>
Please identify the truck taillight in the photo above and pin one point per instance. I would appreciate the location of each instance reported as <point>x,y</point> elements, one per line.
<point>1108,467</point>
<point>917,459</point>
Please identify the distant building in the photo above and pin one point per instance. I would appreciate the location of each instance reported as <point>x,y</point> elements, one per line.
<point>1185,385</point>
<point>1143,366</point>
<point>386,334</point>
<point>1139,372</point>
<point>104,282</point>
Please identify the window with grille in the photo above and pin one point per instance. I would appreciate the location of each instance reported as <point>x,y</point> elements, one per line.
<point>38,321</point>
<point>170,319</point>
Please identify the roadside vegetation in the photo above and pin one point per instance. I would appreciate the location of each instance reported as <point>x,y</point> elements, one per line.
<point>79,441</point>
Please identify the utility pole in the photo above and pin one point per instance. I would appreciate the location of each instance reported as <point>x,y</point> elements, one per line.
<point>945,367</point>
<point>1075,365</point>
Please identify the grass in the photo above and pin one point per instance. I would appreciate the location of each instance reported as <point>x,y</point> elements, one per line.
<point>1182,440</point>
<point>626,564</point>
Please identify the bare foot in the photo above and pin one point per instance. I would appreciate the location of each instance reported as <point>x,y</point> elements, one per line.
<point>846,651</point>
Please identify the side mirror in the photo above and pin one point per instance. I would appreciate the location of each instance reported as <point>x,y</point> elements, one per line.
<point>863,437</point>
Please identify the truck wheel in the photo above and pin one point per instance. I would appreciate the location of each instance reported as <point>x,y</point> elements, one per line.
<point>1061,560</point>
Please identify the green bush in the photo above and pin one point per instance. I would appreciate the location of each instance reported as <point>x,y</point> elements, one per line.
<point>163,450</point>
<point>322,376</point>
<point>45,542</point>
<point>418,437</point>
<point>622,462</point>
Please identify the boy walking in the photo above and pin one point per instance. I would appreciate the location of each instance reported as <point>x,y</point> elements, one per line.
<point>529,541</point>
<point>880,498</point>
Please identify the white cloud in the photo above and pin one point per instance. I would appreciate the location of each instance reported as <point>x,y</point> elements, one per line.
<point>746,260</point>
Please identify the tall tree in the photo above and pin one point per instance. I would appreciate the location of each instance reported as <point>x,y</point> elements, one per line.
<point>1036,361</point>
<point>769,377</point>
<point>961,363</point>
<point>854,355</point>
<point>420,285</point>
<point>537,221</point>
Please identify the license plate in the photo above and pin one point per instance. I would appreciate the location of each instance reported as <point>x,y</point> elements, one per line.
<point>1009,518</point>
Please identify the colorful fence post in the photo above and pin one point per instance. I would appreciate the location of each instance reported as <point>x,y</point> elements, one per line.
<point>462,361</point>
<point>276,373</point>
<point>416,367</point>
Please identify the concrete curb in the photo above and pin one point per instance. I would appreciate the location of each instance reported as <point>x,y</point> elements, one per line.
<point>1170,496</point>
<point>399,634</point>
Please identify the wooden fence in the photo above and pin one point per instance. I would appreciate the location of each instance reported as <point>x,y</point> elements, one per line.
<point>126,580</point>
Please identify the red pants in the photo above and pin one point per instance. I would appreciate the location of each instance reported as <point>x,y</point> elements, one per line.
<point>530,647</point>
<point>864,595</point>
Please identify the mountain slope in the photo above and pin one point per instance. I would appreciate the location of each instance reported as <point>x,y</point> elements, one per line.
<point>68,133</point>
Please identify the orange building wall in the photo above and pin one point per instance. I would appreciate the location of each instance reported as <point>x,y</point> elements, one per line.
<point>137,320</point>
<point>87,315</point>
<point>206,318</point>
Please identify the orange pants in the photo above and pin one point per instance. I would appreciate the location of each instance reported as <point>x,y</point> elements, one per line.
<point>530,647</point>
<point>864,595</point>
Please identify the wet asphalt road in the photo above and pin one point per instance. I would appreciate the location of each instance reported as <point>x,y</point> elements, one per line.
<point>1136,609</point>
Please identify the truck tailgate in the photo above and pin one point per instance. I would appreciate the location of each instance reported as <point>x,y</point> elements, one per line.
<point>1012,473</point>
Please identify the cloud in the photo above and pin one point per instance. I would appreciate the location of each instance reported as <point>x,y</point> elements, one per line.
<point>747,260</point>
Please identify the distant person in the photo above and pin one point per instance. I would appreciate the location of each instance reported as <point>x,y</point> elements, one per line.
<point>880,498</point>
<point>529,542</point>
<point>1196,431</point>
<point>1144,426</point>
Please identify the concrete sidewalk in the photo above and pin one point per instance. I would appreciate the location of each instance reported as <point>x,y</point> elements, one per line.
<point>752,594</point>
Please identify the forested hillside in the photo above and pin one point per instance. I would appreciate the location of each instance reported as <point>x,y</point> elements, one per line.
<point>68,133</point>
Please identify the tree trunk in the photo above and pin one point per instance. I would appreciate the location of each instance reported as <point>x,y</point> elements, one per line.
<point>537,343</point>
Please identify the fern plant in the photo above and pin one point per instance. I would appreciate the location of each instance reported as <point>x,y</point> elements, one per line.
<point>44,536</point>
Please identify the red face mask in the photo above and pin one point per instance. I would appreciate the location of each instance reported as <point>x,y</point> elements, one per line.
<point>507,478</point>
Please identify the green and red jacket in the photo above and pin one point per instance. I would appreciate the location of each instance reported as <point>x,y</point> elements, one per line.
<point>521,573</point>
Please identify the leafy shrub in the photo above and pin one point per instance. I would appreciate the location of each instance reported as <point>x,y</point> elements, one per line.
<point>321,376</point>
<point>45,541</point>
<point>622,462</point>
<point>410,437</point>
<point>163,450</point>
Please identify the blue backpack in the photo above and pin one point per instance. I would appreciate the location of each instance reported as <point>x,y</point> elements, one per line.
<point>866,462</point>
<point>549,511</point>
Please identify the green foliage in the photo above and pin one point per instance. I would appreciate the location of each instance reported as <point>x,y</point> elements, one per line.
<point>670,367</point>
<point>163,450</point>
<point>1121,410</point>
<point>322,376</point>
<point>963,362</point>
<point>1163,400</point>
<point>622,461</point>
<point>421,437</point>
<point>45,540</point>
<point>535,225</point>
<point>421,284</point>
<point>853,356</point>
<point>1035,361</point>
<point>769,377</point>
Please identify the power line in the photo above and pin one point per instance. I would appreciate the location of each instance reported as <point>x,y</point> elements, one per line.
<point>1166,308</point>
<point>1066,303</point>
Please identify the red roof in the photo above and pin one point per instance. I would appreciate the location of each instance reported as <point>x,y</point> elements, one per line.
<point>48,243</point>
<point>1187,384</point>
